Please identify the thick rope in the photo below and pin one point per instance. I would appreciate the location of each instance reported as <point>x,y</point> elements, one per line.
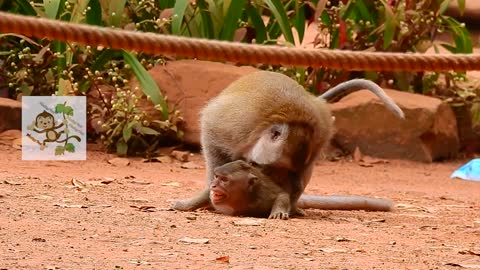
<point>241,53</point>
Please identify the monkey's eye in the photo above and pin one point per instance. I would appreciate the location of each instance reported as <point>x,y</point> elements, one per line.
<point>275,134</point>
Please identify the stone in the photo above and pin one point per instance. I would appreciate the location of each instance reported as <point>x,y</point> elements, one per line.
<point>428,132</point>
<point>190,84</point>
<point>10,114</point>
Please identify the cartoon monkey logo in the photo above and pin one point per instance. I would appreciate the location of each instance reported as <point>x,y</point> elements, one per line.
<point>45,123</point>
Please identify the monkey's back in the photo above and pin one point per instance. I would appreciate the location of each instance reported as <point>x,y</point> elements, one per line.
<point>254,102</point>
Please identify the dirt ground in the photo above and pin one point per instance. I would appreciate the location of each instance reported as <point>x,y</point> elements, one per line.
<point>96,215</point>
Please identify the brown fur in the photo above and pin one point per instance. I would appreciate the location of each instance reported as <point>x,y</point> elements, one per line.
<point>242,189</point>
<point>269,119</point>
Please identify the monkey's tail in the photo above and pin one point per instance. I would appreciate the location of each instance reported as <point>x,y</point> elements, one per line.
<point>360,84</point>
<point>70,137</point>
<point>344,203</point>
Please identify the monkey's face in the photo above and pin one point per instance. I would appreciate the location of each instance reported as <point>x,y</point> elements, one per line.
<point>44,122</point>
<point>231,184</point>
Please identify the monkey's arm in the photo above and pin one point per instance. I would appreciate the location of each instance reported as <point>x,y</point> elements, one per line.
<point>40,131</point>
<point>344,203</point>
<point>59,126</point>
<point>359,84</point>
<point>201,199</point>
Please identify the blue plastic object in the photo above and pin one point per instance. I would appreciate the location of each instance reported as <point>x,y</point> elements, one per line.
<point>469,171</point>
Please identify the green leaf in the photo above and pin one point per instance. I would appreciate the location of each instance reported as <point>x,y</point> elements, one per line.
<point>70,147</point>
<point>116,10</point>
<point>258,25</point>
<point>389,31</point>
<point>280,15</point>
<point>443,7</point>
<point>68,110</point>
<point>206,20</point>
<point>127,130</point>
<point>460,35</point>
<point>77,12</point>
<point>299,20</point>
<point>149,87</point>
<point>103,58</point>
<point>177,18</point>
<point>461,6</point>
<point>475,113</point>
<point>26,7</point>
<point>363,10</point>
<point>59,150</point>
<point>51,8</point>
<point>122,148</point>
<point>230,24</point>
<point>59,108</point>
<point>147,130</point>
<point>94,15</point>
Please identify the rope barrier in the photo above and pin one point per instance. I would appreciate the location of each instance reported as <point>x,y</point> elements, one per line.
<point>236,52</point>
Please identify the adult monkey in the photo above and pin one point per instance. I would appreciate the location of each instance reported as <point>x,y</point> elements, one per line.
<point>269,119</point>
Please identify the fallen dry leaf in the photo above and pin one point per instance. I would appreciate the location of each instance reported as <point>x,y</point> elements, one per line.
<point>160,159</point>
<point>189,240</point>
<point>10,182</point>
<point>333,250</point>
<point>191,165</point>
<point>411,207</point>
<point>144,208</point>
<point>343,239</point>
<point>17,143</point>
<point>180,155</point>
<point>139,182</point>
<point>79,185</point>
<point>248,222</point>
<point>223,259</point>
<point>469,266</point>
<point>470,252</point>
<point>138,200</point>
<point>118,161</point>
<point>171,184</point>
<point>70,205</point>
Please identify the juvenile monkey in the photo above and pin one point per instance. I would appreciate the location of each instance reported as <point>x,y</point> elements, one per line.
<point>243,189</point>
<point>269,119</point>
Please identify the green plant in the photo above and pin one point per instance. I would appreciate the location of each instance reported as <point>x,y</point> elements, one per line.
<point>43,67</point>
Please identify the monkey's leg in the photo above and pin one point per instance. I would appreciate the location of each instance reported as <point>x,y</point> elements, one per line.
<point>281,207</point>
<point>214,158</point>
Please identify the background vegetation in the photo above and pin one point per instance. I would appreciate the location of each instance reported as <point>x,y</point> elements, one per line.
<point>44,67</point>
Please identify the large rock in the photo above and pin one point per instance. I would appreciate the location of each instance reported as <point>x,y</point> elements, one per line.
<point>190,84</point>
<point>428,133</point>
<point>10,114</point>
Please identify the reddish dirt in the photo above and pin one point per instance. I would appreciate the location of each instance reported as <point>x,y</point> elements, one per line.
<point>435,224</point>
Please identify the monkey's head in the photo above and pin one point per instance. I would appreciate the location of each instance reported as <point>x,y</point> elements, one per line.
<point>44,120</point>
<point>283,145</point>
<point>231,185</point>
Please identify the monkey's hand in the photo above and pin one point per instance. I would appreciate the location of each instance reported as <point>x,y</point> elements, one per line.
<point>31,126</point>
<point>281,207</point>
<point>66,131</point>
<point>278,215</point>
<point>65,121</point>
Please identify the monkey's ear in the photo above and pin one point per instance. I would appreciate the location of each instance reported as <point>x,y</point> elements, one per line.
<point>252,179</point>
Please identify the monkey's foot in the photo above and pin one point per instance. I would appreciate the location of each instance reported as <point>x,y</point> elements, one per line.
<point>278,215</point>
<point>42,147</point>
<point>298,212</point>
